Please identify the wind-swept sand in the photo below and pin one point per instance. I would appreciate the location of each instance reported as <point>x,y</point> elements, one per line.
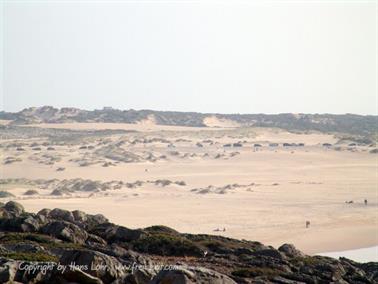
<point>143,125</point>
<point>291,186</point>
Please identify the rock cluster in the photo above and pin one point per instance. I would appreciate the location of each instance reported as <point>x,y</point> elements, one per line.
<point>34,248</point>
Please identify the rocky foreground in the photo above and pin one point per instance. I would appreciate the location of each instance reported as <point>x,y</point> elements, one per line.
<point>59,246</point>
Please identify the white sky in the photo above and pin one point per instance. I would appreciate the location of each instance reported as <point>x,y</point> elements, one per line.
<point>207,56</point>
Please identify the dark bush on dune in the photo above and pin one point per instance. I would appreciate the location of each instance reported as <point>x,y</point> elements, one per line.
<point>4,194</point>
<point>31,192</point>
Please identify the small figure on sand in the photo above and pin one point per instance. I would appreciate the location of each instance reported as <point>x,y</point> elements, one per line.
<point>146,170</point>
<point>365,201</point>
<point>307,224</point>
<point>219,230</point>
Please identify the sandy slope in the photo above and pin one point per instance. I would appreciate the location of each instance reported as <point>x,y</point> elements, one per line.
<point>143,125</point>
<point>213,121</point>
<point>311,183</point>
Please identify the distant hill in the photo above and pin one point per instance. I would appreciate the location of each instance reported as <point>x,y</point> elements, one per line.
<point>345,123</point>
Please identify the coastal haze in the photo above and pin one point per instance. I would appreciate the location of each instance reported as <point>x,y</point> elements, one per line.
<point>201,173</point>
<point>206,56</point>
<point>184,142</point>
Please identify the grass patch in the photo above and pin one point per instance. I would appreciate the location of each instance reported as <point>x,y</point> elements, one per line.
<point>161,229</point>
<point>167,245</point>
<point>254,272</point>
<point>307,260</point>
<point>43,240</point>
<point>31,256</point>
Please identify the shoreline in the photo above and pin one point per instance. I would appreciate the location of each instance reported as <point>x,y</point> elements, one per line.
<point>311,241</point>
<point>366,254</point>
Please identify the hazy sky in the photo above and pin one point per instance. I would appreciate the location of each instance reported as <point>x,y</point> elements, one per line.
<point>207,56</point>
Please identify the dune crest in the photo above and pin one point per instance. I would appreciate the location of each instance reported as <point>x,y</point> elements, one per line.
<point>148,121</point>
<point>214,121</point>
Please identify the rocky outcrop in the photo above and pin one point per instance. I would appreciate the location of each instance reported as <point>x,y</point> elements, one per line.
<point>14,209</point>
<point>290,251</point>
<point>191,276</point>
<point>99,265</point>
<point>93,250</point>
<point>65,231</point>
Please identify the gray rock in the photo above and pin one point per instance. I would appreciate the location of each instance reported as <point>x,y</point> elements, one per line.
<point>93,239</point>
<point>74,275</point>
<point>3,250</point>
<point>30,224</point>
<point>10,272</point>
<point>99,265</point>
<point>44,212</point>
<point>140,276</point>
<point>79,216</point>
<point>114,233</point>
<point>290,251</point>
<point>61,214</point>
<point>94,220</point>
<point>270,252</point>
<point>8,269</point>
<point>191,275</point>
<point>15,208</point>
<point>65,231</point>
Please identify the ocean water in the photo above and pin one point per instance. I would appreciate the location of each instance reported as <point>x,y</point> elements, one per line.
<point>360,255</point>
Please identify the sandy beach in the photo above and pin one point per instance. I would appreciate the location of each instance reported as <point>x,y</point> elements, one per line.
<point>261,193</point>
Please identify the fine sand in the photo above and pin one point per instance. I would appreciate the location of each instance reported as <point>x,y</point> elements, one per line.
<point>262,193</point>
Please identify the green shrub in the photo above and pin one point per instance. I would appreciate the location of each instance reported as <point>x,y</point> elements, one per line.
<point>43,240</point>
<point>4,194</point>
<point>168,245</point>
<point>254,272</point>
<point>161,229</point>
<point>30,256</point>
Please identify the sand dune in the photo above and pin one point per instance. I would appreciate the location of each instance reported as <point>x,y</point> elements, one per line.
<point>213,121</point>
<point>263,193</point>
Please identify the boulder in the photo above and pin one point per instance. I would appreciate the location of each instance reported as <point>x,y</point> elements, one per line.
<point>94,220</point>
<point>8,269</point>
<point>79,216</point>
<point>30,224</point>
<point>61,214</point>
<point>269,252</point>
<point>25,223</point>
<point>191,275</point>
<point>44,212</point>
<point>126,235</point>
<point>3,249</point>
<point>15,208</point>
<point>97,264</point>
<point>140,276</point>
<point>12,271</point>
<point>95,240</point>
<point>113,233</point>
<point>290,251</point>
<point>74,275</point>
<point>65,231</point>
<point>4,213</point>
